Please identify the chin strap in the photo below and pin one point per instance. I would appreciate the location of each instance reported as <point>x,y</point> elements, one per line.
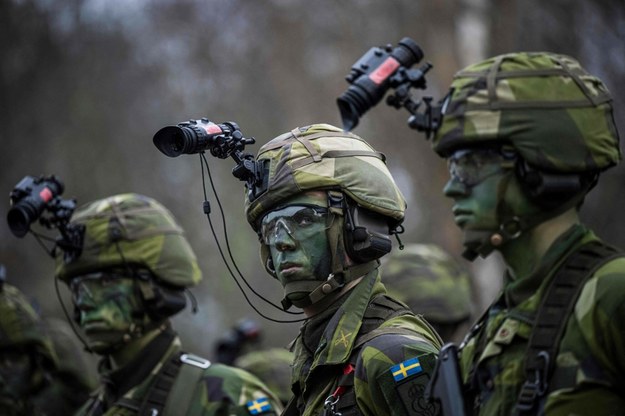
<point>511,226</point>
<point>319,290</point>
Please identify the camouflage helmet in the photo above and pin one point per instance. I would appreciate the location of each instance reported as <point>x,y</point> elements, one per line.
<point>20,326</point>
<point>319,157</point>
<point>135,230</point>
<point>430,281</point>
<point>556,115</point>
<point>272,366</point>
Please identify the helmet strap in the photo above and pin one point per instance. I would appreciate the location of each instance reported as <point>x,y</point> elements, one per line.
<point>320,290</point>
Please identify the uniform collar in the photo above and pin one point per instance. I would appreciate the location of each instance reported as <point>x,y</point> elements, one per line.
<point>518,291</point>
<point>337,340</point>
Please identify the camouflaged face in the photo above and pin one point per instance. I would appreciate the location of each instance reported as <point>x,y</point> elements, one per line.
<point>20,325</point>
<point>138,228</point>
<point>430,281</point>
<point>322,156</point>
<point>555,114</point>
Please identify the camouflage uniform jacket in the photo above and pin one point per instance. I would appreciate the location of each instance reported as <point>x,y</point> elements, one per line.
<point>329,341</point>
<point>589,376</point>
<point>220,390</point>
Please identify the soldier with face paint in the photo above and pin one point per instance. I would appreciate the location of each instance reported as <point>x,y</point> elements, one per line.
<point>526,136</point>
<point>33,379</point>
<point>323,220</point>
<point>128,279</point>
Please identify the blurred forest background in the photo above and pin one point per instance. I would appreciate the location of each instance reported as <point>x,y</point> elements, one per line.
<point>85,84</point>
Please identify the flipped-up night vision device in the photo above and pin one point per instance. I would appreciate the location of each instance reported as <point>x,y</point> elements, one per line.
<point>382,69</point>
<point>39,198</point>
<point>221,140</point>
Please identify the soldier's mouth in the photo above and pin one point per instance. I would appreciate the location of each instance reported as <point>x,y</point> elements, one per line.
<point>95,326</point>
<point>289,268</point>
<point>461,216</point>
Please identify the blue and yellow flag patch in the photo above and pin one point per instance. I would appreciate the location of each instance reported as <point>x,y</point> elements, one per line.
<point>406,369</point>
<point>259,406</point>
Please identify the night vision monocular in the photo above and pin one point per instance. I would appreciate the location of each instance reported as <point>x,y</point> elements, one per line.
<point>221,140</point>
<point>39,198</point>
<point>380,70</point>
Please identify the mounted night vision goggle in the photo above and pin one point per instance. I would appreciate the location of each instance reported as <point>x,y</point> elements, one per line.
<point>385,68</point>
<point>222,141</point>
<point>40,199</point>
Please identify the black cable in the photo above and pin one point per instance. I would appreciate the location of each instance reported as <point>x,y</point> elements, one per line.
<point>39,237</point>
<point>234,263</point>
<point>69,319</point>
<point>203,162</point>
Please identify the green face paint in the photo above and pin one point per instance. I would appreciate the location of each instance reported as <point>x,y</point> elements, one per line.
<point>297,240</point>
<point>480,195</point>
<point>107,304</point>
<point>475,207</point>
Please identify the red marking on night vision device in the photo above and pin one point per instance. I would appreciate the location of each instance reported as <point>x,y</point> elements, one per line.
<point>45,194</point>
<point>212,128</point>
<point>385,70</point>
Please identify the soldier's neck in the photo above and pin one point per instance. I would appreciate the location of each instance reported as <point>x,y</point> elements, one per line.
<point>523,255</point>
<point>124,355</point>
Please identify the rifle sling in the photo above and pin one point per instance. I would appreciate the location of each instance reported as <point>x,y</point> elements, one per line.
<point>552,318</point>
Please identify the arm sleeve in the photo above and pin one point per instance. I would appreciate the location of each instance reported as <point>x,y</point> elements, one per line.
<point>392,372</point>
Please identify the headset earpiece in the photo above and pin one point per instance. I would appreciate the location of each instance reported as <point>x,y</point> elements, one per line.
<point>550,190</point>
<point>366,234</point>
<point>166,302</point>
<point>161,301</point>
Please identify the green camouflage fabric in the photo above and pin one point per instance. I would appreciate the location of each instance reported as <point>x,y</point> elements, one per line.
<point>429,281</point>
<point>65,380</point>
<point>21,326</point>
<point>532,100</point>
<point>347,336</point>
<point>74,376</point>
<point>22,334</point>
<point>320,157</point>
<point>272,366</point>
<point>590,365</point>
<point>220,389</point>
<point>139,227</point>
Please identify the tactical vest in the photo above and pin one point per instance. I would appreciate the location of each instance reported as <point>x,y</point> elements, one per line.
<point>550,322</point>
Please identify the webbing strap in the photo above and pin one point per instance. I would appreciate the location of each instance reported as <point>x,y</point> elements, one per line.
<point>174,386</point>
<point>156,398</point>
<point>334,154</point>
<point>181,393</point>
<point>552,318</point>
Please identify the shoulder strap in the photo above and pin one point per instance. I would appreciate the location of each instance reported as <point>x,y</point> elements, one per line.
<point>189,376</point>
<point>174,385</point>
<point>552,318</point>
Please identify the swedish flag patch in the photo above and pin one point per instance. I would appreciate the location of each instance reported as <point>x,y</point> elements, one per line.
<point>258,406</point>
<point>406,369</point>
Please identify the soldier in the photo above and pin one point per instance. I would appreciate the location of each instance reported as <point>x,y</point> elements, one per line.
<point>432,283</point>
<point>129,278</point>
<point>33,381</point>
<point>323,219</point>
<point>526,136</point>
